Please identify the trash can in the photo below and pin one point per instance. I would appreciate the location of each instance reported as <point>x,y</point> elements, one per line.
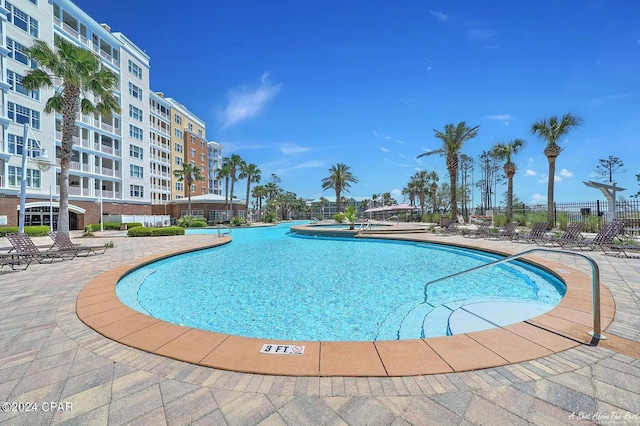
<point>123,226</point>
<point>445,221</point>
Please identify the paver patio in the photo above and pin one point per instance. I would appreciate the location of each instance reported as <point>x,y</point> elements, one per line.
<point>48,355</point>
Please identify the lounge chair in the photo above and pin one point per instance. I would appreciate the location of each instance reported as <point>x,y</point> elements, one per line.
<point>604,238</point>
<point>24,246</point>
<point>624,249</point>
<point>15,260</point>
<point>538,231</point>
<point>62,242</point>
<point>483,230</point>
<point>572,233</point>
<point>504,233</point>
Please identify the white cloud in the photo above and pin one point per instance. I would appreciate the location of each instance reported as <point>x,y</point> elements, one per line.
<point>479,34</point>
<point>388,137</point>
<point>245,103</point>
<point>500,117</point>
<point>402,155</point>
<point>383,149</point>
<point>565,173</point>
<point>545,179</point>
<point>400,142</point>
<point>538,199</point>
<point>305,165</point>
<point>439,15</point>
<point>288,149</point>
<point>530,172</point>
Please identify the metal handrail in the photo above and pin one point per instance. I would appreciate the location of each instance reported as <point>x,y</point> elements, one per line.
<point>595,282</point>
<point>220,226</point>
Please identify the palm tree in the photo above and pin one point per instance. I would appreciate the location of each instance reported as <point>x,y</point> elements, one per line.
<point>504,151</point>
<point>188,174</point>
<point>235,164</point>
<point>551,131</point>
<point>259,193</point>
<point>224,172</point>
<point>340,179</point>
<point>251,173</point>
<point>74,73</point>
<point>453,138</point>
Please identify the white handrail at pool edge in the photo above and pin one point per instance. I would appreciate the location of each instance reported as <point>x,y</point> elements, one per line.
<point>595,282</point>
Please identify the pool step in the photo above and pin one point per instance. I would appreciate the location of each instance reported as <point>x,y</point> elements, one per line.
<point>388,330</point>
<point>411,326</point>
<point>436,322</point>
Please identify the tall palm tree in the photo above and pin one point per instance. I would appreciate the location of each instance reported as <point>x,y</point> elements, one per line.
<point>551,131</point>
<point>259,193</point>
<point>74,73</point>
<point>235,164</point>
<point>252,174</point>
<point>340,178</point>
<point>188,174</point>
<point>504,151</point>
<point>452,139</point>
<point>224,172</point>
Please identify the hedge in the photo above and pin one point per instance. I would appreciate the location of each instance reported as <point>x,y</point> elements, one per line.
<point>143,231</point>
<point>110,226</point>
<point>32,231</point>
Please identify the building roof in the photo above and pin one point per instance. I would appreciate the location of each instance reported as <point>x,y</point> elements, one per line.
<point>206,198</point>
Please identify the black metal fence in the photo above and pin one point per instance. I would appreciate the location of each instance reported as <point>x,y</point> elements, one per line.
<point>629,210</point>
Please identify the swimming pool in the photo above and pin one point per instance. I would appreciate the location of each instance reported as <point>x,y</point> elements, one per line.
<point>271,284</point>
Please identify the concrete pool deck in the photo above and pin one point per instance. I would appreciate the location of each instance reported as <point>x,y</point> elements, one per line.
<point>48,354</point>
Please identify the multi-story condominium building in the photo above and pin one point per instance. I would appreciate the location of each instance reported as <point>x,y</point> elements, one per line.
<point>122,163</point>
<point>188,144</point>
<point>160,157</point>
<point>215,162</point>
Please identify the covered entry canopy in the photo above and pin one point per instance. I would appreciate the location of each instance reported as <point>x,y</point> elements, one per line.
<point>72,208</point>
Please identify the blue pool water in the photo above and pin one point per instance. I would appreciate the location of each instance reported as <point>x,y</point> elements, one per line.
<point>269,283</point>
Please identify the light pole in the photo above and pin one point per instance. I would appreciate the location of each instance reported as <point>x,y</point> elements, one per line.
<point>99,201</point>
<point>43,164</point>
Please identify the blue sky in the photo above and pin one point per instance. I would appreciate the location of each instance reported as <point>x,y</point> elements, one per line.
<point>296,86</point>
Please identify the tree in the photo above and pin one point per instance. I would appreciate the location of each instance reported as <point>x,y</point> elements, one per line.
<point>551,131</point>
<point>259,193</point>
<point>224,172</point>
<point>251,173</point>
<point>504,151</point>
<point>74,73</point>
<point>236,163</point>
<point>608,167</point>
<point>489,168</point>
<point>188,174</point>
<point>340,179</point>
<point>466,166</point>
<point>452,139</point>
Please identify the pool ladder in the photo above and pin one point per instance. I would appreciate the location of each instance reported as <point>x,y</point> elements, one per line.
<point>595,282</point>
<point>366,226</point>
<point>221,226</point>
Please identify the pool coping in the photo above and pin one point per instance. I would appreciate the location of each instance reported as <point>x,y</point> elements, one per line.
<point>564,327</point>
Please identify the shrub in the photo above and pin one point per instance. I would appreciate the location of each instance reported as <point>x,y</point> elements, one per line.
<point>339,217</point>
<point>499,220</point>
<point>533,217</point>
<point>168,231</point>
<point>520,218</point>
<point>132,225</point>
<point>32,231</point>
<point>192,222</point>
<point>140,231</point>
<point>238,221</point>
<point>564,220</point>
<point>592,224</point>
<point>198,224</point>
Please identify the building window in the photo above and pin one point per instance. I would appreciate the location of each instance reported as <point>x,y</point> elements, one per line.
<point>178,160</point>
<point>202,144</point>
<point>193,153</point>
<point>136,171</point>
<point>178,186</point>
<point>135,69</point>
<point>178,147</point>
<point>201,157</point>
<point>135,113</point>
<point>17,51</point>
<point>136,191</point>
<point>193,188</point>
<point>190,127</point>
<point>135,132</point>
<point>135,91</point>
<point>21,20</point>
<point>21,115</point>
<point>15,83</point>
<point>16,143</point>
<point>135,152</point>
<point>177,119</point>
<point>15,177</point>
<point>200,132</point>
<point>178,133</point>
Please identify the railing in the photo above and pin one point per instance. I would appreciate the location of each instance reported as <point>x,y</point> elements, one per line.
<point>595,282</point>
<point>221,226</point>
<point>365,226</point>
